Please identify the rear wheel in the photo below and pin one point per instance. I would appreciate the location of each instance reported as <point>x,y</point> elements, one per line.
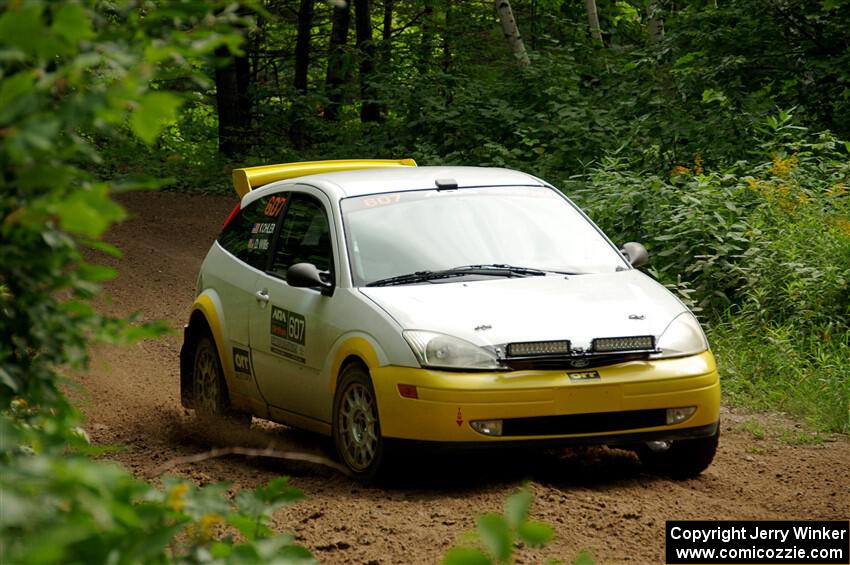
<point>680,459</point>
<point>356,427</point>
<point>209,389</point>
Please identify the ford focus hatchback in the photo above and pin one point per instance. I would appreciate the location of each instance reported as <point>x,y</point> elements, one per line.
<point>374,301</point>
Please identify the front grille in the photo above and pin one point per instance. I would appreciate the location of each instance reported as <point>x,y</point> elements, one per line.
<point>570,362</point>
<point>584,423</point>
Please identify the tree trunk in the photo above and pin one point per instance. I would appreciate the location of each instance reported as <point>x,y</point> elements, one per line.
<point>593,21</point>
<point>336,75</point>
<point>370,110</point>
<point>302,45</point>
<point>654,22</point>
<point>233,104</point>
<point>427,42</point>
<point>511,31</point>
<point>387,33</point>
<point>447,30</point>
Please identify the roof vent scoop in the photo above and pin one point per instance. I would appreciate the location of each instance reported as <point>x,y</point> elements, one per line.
<point>446,184</point>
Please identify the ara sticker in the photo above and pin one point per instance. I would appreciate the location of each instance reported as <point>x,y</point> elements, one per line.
<point>584,376</point>
<point>288,332</point>
<point>242,363</point>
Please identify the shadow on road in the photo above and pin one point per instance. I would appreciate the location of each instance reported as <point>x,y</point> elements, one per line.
<point>413,468</point>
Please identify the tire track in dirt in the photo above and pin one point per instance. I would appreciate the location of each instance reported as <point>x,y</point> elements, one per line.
<point>598,499</point>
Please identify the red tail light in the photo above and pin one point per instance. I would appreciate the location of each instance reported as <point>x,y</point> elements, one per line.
<point>232,215</point>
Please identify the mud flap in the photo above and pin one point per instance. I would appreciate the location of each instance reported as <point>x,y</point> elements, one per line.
<point>186,358</point>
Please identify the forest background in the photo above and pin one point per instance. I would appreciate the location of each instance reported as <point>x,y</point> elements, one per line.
<point>710,130</point>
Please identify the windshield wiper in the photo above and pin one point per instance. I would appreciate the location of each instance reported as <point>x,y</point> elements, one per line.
<point>496,270</point>
<point>418,276</point>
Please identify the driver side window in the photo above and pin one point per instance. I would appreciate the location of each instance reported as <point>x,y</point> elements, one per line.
<point>304,236</point>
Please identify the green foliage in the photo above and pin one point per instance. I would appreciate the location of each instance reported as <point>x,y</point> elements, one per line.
<point>496,535</point>
<point>75,510</point>
<point>75,75</point>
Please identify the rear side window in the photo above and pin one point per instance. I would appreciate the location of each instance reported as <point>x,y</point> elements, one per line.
<point>304,236</point>
<point>248,236</point>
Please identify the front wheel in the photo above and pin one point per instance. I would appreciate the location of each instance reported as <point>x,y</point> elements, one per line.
<point>356,427</point>
<point>680,459</point>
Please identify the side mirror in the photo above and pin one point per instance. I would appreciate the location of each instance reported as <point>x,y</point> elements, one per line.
<point>636,253</point>
<point>307,275</point>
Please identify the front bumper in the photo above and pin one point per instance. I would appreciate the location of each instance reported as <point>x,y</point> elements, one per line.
<point>623,403</point>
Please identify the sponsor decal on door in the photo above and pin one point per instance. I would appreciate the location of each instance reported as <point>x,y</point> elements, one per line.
<point>288,330</point>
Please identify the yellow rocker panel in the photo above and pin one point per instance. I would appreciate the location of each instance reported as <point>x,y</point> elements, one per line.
<point>247,179</point>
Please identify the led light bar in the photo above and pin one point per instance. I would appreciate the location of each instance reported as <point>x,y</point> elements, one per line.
<point>634,343</point>
<point>533,348</point>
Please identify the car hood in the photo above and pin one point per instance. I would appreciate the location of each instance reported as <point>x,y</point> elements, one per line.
<point>504,310</point>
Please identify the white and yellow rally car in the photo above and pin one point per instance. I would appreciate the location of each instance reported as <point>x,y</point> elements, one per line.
<point>376,300</point>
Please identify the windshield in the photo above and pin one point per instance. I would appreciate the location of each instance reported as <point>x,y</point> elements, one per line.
<point>400,233</point>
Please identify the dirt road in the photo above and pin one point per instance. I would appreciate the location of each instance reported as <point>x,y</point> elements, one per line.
<point>598,499</point>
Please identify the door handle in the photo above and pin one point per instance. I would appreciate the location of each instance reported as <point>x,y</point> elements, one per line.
<point>262,295</point>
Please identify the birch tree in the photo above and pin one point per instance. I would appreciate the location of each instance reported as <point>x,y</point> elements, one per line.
<point>511,31</point>
<point>593,21</point>
<point>654,23</point>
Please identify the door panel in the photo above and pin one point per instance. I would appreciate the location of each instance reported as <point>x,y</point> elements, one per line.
<point>292,331</point>
<point>232,269</point>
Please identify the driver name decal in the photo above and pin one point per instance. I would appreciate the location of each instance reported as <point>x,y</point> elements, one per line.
<point>288,330</point>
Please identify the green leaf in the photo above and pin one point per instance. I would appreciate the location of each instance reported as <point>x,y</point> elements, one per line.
<point>291,553</point>
<point>495,535</point>
<point>96,273</point>
<point>154,111</point>
<point>536,533</point>
<point>107,248</point>
<point>22,27</point>
<point>278,491</point>
<point>220,550</point>
<point>246,525</point>
<point>88,212</point>
<point>584,558</point>
<point>516,507</point>
<point>465,556</point>
<point>71,23</point>
<point>6,379</point>
<point>13,95</point>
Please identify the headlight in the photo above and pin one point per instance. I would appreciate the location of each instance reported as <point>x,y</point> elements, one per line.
<point>682,337</point>
<point>446,352</point>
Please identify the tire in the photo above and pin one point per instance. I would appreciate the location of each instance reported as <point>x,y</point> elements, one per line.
<point>209,389</point>
<point>356,425</point>
<point>683,459</point>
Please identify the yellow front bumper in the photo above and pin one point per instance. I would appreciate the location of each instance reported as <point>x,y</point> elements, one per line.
<point>448,401</point>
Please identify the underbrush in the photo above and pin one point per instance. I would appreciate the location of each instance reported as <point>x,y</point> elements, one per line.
<point>761,251</point>
<point>779,367</point>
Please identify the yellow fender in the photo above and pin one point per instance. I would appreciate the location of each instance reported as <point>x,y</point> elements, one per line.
<point>355,346</point>
<point>204,303</point>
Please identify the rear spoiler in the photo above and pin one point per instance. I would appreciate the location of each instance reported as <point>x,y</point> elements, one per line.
<point>245,180</point>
